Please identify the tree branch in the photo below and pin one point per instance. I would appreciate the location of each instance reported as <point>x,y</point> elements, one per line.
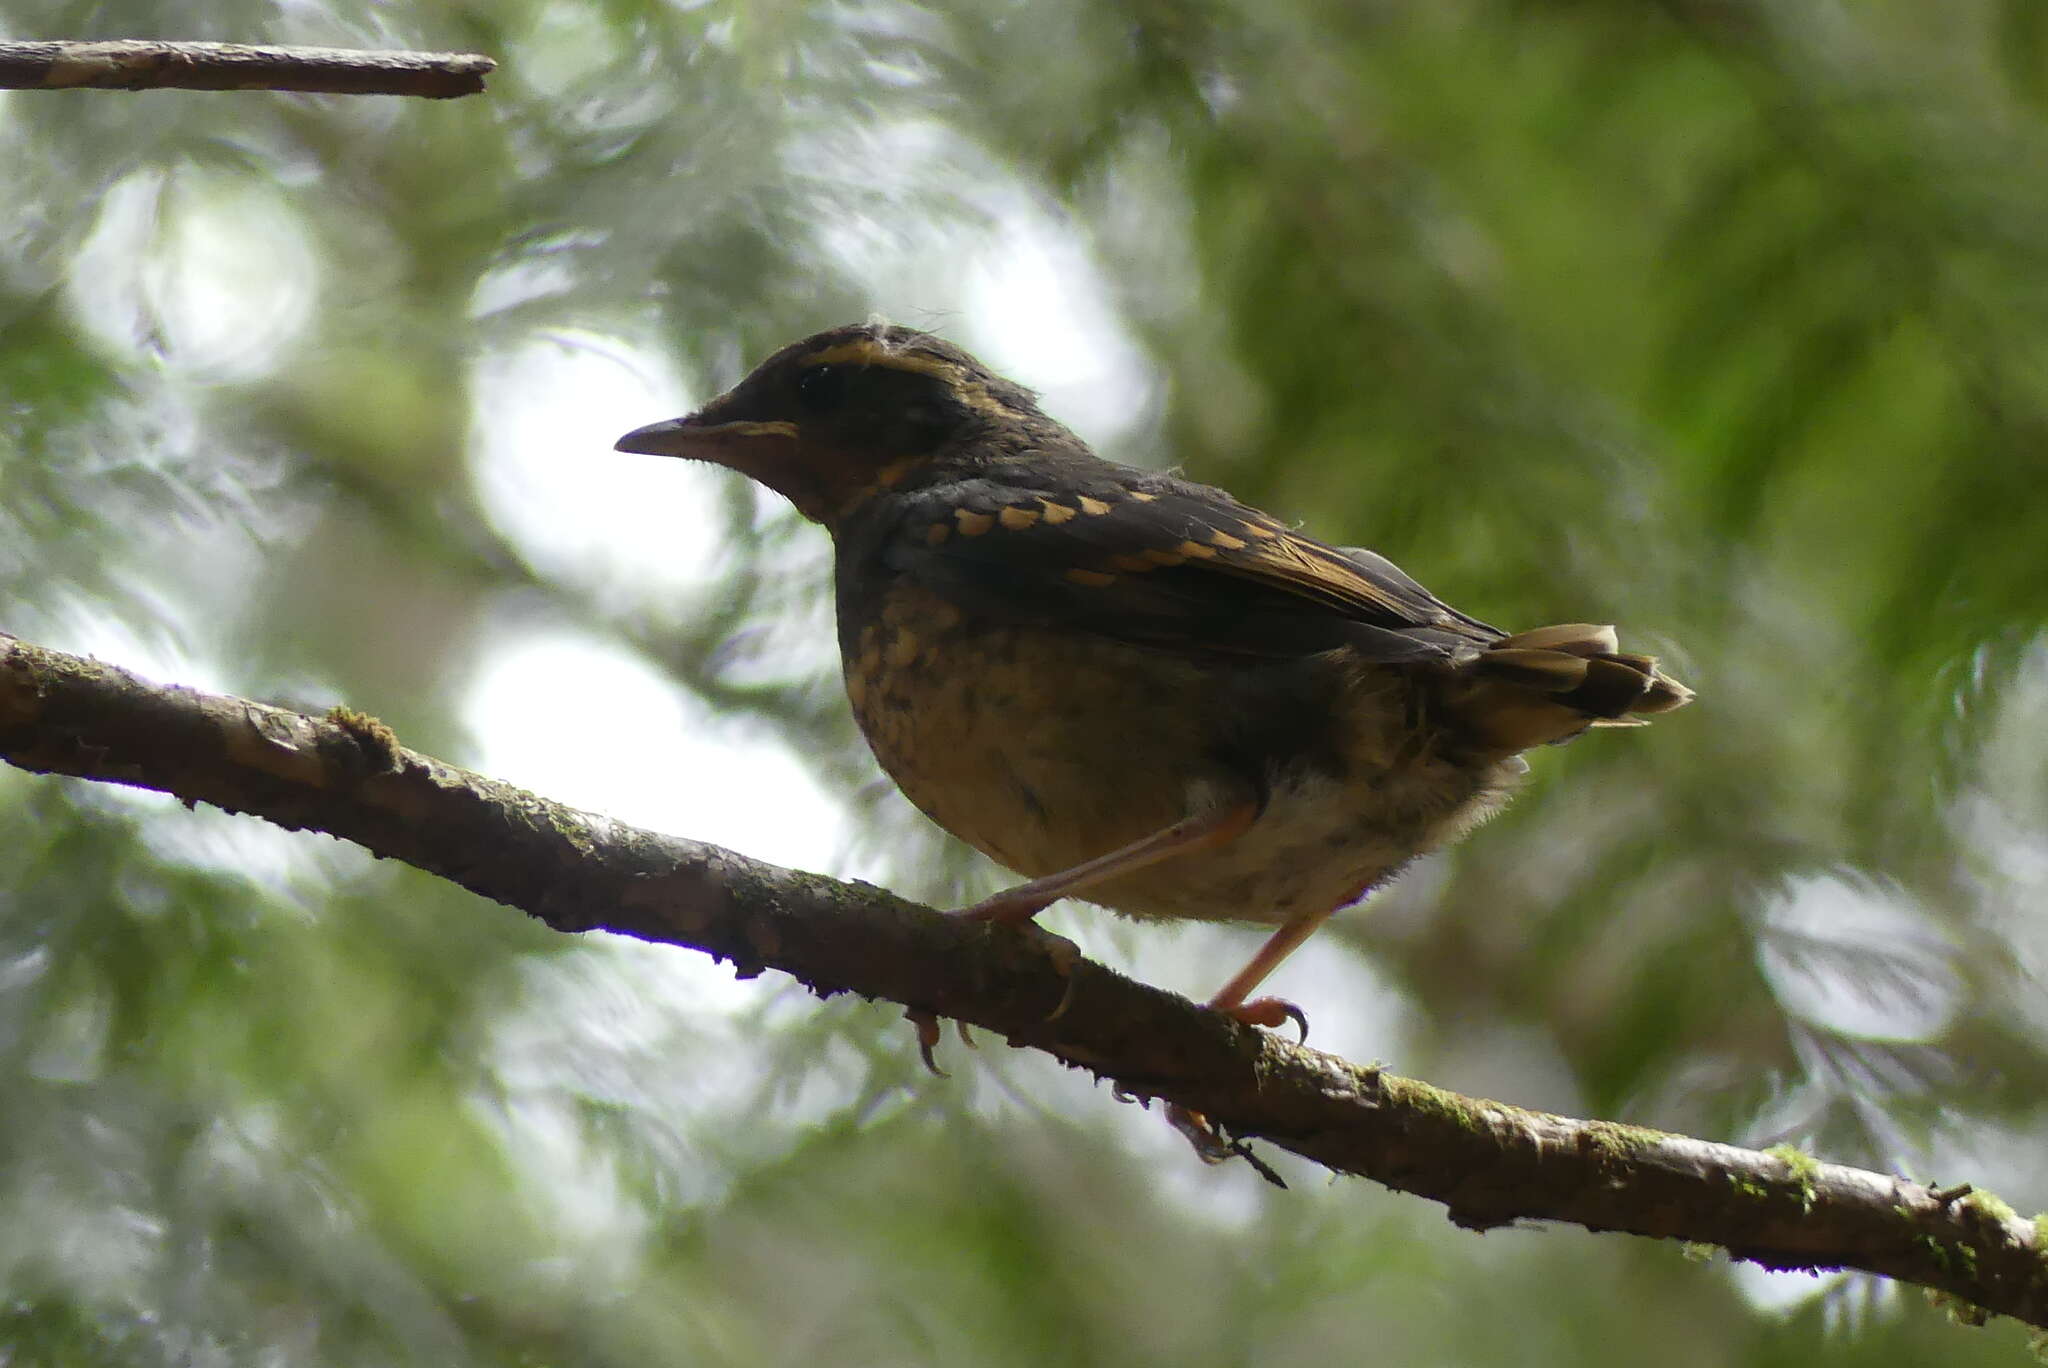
<point>146,64</point>
<point>1488,1162</point>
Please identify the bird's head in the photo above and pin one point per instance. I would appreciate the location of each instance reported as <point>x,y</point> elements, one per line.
<point>833,419</point>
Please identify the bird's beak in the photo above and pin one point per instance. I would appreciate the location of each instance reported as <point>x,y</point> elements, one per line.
<point>692,437</point>
<point>764,451</point>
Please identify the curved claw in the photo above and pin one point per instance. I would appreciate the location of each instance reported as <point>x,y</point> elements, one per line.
<point>1269,1013</point>
<point>928,1037</point>
<point>1063,953</point>
<point>1066,1000</point>
<point>1213,1148</point>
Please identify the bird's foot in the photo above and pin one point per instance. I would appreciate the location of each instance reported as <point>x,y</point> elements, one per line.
<point>1267,1012</point>
<point>1211,1146</point>
<point>930,1033</point>
<point>1014,908</point>
<point>1063,953</point>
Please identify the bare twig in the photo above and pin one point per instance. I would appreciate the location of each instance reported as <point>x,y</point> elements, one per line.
<point>146,64</point>
<point>1489,1163</point>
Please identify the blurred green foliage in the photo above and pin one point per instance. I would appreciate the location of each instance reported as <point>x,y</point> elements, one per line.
<point>1721,319</point>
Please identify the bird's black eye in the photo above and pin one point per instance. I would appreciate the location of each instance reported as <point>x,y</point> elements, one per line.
<point>822,388</point>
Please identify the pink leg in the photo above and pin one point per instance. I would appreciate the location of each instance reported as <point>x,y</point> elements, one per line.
<point>1200,832</point>
<point>1269,1011</point>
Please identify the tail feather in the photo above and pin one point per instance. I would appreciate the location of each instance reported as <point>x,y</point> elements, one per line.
<point>1570,638</point>
<point>1550,684</point>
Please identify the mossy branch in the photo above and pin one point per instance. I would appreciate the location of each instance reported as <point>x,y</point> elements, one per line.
<point>1489,1163</point>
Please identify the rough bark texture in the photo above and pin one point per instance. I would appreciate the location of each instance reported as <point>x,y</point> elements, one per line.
<point>142,64</point>
<point>1489,1163</point>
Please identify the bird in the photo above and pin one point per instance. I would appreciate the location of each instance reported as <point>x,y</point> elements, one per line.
<point>1127,686</point>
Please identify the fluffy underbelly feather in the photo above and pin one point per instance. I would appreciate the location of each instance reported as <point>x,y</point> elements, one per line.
<point>972,741</point>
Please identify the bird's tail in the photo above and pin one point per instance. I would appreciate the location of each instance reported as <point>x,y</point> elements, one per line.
<point>1549,685</point>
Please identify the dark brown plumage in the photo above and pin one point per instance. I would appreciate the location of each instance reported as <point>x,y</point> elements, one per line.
<point>1128,686</point>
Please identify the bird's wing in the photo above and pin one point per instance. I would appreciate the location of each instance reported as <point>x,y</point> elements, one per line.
<point>1168,564</point>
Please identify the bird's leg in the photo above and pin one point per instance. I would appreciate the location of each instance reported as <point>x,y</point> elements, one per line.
<point>1015,907</point>
<point>1202,831</point>
<point>1269,1012</point>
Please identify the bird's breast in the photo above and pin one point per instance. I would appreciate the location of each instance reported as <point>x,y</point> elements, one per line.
<point>1043,748</point>
<point>1040,748</point>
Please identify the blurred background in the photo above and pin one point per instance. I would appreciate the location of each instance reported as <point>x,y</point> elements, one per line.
<point>1721,319</point>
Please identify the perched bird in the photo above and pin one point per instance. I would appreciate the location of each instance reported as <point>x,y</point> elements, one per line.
<point>1127,686</point>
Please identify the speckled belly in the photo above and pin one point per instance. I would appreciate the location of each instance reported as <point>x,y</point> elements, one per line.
<point>1043,749</point>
